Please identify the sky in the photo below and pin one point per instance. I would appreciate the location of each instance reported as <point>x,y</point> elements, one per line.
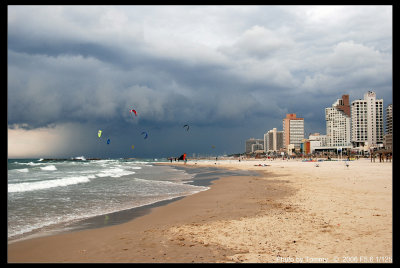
<point>230,72</point>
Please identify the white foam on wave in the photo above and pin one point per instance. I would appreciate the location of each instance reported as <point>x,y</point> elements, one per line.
<point>41,185</point>
<point>22,170</point>
<point>188,188</point>
<point>79,158</point>
<point>114,173</point>
<point>30,164</point>
<point>49,168</point>
<point>145,163</point>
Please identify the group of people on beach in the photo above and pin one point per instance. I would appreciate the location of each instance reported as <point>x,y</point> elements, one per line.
<point>182,157</point>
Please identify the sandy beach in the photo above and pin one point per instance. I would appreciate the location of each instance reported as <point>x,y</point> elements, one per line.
<point>293,211</point>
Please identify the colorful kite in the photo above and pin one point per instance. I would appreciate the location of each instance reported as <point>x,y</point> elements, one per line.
<point>133,111</point>
<point>145,134</point>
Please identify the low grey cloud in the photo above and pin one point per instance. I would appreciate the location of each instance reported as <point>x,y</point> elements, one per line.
<point>236,68</point>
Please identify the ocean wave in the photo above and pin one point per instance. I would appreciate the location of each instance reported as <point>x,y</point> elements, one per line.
<point>182,186</point>
<point>79,158</point>
<point>23,229</point>
<point>145,163</point>
<point>22,170</point>
<point>41,185</point>
<point>114,173</point>
<point>29,164</point>
<point>49,168</point>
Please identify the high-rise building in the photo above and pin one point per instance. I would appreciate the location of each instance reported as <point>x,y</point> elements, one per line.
<point>253,145</point>
<point>338,123</point>
<point>367,121</point>
<point>273,141</point>
<point>388,137</point>
<point>389,119</point>
<point>293,131</point>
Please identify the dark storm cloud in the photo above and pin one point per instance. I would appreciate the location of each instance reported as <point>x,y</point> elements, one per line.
<point>84,85</point>
<point>234,68</point>
<point>55,48</point>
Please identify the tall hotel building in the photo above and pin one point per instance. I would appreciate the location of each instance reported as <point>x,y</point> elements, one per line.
<point>367,121</point>
<point>273,141</point>
<point>293,131</point>
<point>338,123</point>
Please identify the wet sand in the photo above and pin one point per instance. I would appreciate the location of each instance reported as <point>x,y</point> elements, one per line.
<point>292,212</point>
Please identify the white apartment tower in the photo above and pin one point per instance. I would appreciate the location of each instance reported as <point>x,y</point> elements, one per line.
<point>338,123</point>
<point>367,121</point>
<point>273,141</point>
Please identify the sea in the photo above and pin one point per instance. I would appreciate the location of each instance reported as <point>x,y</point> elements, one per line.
<point>49,196</point>
<point>46,196</point>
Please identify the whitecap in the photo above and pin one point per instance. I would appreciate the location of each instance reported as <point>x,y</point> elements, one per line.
<point>79,158</point>
<point>49,168</point>
<point>31,164</point>
<point>114,173</point>
<point>40,185</point>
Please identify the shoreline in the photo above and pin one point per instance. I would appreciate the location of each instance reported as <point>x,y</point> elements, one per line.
<point>149,233</point>
<point>95,222</point>
<point>201,178</point>
<point>292,212</point>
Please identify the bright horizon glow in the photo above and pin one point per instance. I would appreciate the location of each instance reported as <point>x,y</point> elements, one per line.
<point>35,143</point>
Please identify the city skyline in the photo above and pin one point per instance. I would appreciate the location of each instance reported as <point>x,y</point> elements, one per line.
<point>344,122</point>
